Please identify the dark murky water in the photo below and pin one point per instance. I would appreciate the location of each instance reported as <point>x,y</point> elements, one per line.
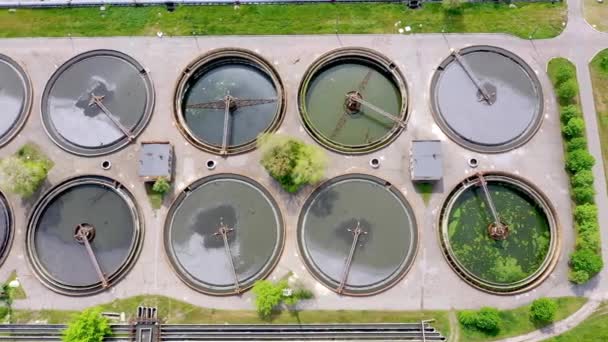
<point>62,256</point>
<point>240,81</point>
<point>12,96</point>
<point>380,254</point>
<point>240,206</point>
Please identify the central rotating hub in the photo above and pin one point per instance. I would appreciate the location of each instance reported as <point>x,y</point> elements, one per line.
<point>498,232</point>
<point>489,91</point>
<point>230,103</point>
<point>84,231</point>
<point>351,103</point>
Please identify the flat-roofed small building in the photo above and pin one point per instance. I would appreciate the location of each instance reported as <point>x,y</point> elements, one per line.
<point>426,163</point>
<point>156,161</point>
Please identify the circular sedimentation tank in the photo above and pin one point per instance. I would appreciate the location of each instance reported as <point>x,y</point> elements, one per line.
<point>97,102</point>
<point>487,99</point>
<point>92,208</point>
<point>352,247</point>
<point>504,240</point>
<point>6,228</point>
<point>223,233</point>
<point>15,98</point>
<point>226,98</point>
<point>353,100</point>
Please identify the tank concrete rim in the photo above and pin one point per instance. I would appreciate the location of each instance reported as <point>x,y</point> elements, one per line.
<point>5,246</point>
<point>66,145</point>
<point>376,288</point>
<point>366,56</point>
<point>516,142</point>
<point>526,284</point>
<point>211,289</point>
<point>215,58</point>
<point>126,265</point>
<point>27,101</point>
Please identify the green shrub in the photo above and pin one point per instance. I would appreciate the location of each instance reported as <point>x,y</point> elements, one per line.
<point>583,194</point>
<point>589,239</point>
<point>543,310</point>
<point>585,213</point>
<point>4,310</point>
<point>268,297</point>
<point>563,74</point>
<point>578,277</point>
<point>579,160</point>
<point>569,112</point>
<point>486,319</point>
<point>88,326</point>
<point>604,63</point>
<point>575,128</point>
<point>588,226</point>
<point>586,260</point>
<point>161,186</point>
<point>582,178</point>
<point>24,172</point>
<point>567,91</point>
<point>578,143</point>
<point>297,296</point>
<point>291,162</point>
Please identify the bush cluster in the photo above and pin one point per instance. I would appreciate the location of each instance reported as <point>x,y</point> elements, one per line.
<point>291,162</point>
<point>88,326</point>
<point>586,261</point>
<point>161,186</point>
<point>269,297</point>
<point>487,320</point>
<point>543,311</point>
<point>25,171</point>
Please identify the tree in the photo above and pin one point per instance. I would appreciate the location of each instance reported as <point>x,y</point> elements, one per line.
<point>567,91</point>
<point>268,296</point>
<point>575,128</point>
<point>578,143</point>
<point>586,260</point>
<point>488,319</point>
<point>563,74</point>
<point>543,310</point>
<point>582,178</point>
<point>22,177</point>
<point>161,185</point>
<point>569,112</point>
<point>88,326</point>
<point>291,162</point>
<point>579,160</point>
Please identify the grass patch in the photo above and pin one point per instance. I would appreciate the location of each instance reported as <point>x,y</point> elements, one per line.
<point>599,80</point>
<point>425,190</point>
<point>593,329</point>
<point>18,292</point>
<point>517,321</point>
<point>542,20</point>
<point>156,199</point>
<point>175,311</point>
<point>596,14</point>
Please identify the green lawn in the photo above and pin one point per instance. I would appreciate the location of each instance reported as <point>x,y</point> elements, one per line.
<point>599,80</point>
<point>175,311</point>
<point>543,20</point>
<point>517,322</point>
<point>593,329</point>
<point>596,14</point>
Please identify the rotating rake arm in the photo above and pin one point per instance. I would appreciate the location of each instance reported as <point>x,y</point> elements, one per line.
<point>223,231</point>
<point>357,232</point>
<point>486,191</point>
<point>97,100</point>
<point>377,110</point>
<point>82,236</point>
<point>467,70</point>
<point>237,102</point>
<point>227,122</point>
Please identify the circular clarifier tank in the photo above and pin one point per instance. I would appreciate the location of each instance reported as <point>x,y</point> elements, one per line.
<point>353,100</point>
<point>223,233</point>
<point>15,98</point>
<point>84,235</point>
<point>97,102</point>
<point>226,98</point>
<point>6,227</point>
<point>352,247</point>
<point>499,233</point>
<point>487,99</point>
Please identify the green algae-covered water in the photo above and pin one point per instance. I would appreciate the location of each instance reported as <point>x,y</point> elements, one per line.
<point>511,260</point>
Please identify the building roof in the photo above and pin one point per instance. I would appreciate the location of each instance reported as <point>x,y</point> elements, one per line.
<point>426,163</point>
<point>156,160</point>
